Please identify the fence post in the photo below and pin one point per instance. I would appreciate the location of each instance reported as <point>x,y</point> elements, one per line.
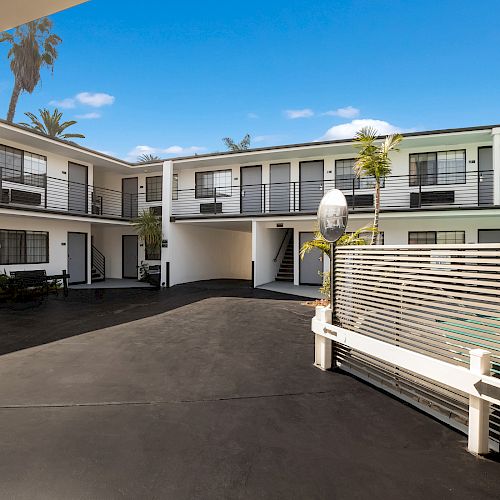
<point>479,409</point>
<point>322,345</point>
<point>65,282</point>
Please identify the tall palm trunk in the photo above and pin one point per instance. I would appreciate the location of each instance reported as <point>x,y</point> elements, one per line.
<point>16,91</point>
<point>376,213</point>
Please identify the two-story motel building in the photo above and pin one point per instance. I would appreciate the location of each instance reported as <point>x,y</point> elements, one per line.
<point>240,215</point>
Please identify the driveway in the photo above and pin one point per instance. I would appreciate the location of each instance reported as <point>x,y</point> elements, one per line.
<point>206,391</point>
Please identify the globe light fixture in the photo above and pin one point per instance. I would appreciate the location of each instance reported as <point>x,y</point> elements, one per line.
<point>333,213</point>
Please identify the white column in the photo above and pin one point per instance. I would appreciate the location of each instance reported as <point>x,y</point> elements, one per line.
<point>495,132</point>
<point>166,212</point>
<point>254,250</point>
<point>322,345</point>
<point>479,409</point>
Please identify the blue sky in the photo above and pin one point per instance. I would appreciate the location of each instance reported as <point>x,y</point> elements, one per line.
<point>174,78</point>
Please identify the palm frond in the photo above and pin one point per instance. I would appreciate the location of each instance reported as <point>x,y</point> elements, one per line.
<point>148,227</point>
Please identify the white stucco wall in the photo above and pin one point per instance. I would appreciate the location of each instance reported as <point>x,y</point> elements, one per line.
<point>201,253</point>
<point>58,237</point>
<point>266,241</point>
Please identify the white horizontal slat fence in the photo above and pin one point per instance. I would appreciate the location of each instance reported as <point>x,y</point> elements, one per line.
<point>437,300</point>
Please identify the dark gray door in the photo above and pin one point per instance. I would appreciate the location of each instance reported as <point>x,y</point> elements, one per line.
<point>311,266</point>
<point>77,257</point>
<point>77,188</point>
<point>251,189</point>
<point>129,197</point>
<point>488,236</point>
<point>129,256</point>
<point>485,167</point>
<point>279,190</point>
<point>311,185</point>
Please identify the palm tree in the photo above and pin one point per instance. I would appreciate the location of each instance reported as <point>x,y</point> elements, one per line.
<point>147,158</point>
<point>33,46</point>
<point>148,227</point>
<point>373,160</point>
<point>319,242</point>
<point>243,145</point>
<point>50,124</point>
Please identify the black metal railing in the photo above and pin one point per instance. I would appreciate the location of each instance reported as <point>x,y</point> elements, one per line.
<point>61,195</point>
<point>445,190</point>
<point>98,265</point>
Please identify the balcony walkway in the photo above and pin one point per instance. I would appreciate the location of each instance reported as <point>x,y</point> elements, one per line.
<point>208,391</point>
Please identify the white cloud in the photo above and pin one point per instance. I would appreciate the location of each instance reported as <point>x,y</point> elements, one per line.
<point>67,103</point>
<point>252,116</point>
<point>89,116</point>
<point>271,138</point>
<point>96,100</point>
<point>348,130</point>
<point>293,114</point>
<point>347,112</point>
<point>163,152</point>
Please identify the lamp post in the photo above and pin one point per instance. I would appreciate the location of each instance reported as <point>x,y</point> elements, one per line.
<point>332,220</point>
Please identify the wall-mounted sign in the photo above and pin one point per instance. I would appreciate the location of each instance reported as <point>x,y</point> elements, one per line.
<point>164,243</point>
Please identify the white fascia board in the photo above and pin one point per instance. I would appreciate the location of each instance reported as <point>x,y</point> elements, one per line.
<point>23,11</point>
<point>6,212</point>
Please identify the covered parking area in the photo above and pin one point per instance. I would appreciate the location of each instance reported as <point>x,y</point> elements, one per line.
<point>208,390</point>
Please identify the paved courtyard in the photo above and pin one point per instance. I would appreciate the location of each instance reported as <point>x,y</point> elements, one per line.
<point>205,391</point>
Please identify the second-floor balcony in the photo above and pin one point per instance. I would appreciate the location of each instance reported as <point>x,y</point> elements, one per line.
<point>406,192</point>
<point>45,193</point>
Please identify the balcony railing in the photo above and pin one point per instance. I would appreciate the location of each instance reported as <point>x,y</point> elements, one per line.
<point>63,196</point>
<point>437,190</point>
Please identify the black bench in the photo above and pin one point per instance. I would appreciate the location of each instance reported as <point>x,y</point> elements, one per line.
<point>38,278</point>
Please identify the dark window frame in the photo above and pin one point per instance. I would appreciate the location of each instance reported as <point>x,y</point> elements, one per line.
<point>152,253</point>
<point>432,179</point>
<point>209,192</point>
<point>23,257</point>
<point>40,180</point>
<point>175,186</point>
<point>347,182</point>
<point>156,193</point>
<point>435,237</point>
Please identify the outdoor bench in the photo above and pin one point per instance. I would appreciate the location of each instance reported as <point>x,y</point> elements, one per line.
<point>38,278</point>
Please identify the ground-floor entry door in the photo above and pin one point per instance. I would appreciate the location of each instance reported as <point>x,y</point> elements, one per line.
<point>311,265</point>
<point>488,236</point>
<point>129,256</point>
<point>251,189</point>
<point>77,257</point>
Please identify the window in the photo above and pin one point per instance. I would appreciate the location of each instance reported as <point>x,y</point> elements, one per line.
<point>175,187</point>
<point>23,247</point>
<point>346,179</point>
<point>153,253</point>
<point>213,184</point>
<point>433,237</point>
<point>444,167</point>
<point>153,188</point>
<point>23,167</point>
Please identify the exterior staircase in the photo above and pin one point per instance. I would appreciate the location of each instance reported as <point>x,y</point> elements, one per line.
<point>285,272</point>
<point>98,265</point>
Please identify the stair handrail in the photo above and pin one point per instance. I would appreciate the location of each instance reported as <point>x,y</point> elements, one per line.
<point>100,262</point>
<point>287,232</point>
